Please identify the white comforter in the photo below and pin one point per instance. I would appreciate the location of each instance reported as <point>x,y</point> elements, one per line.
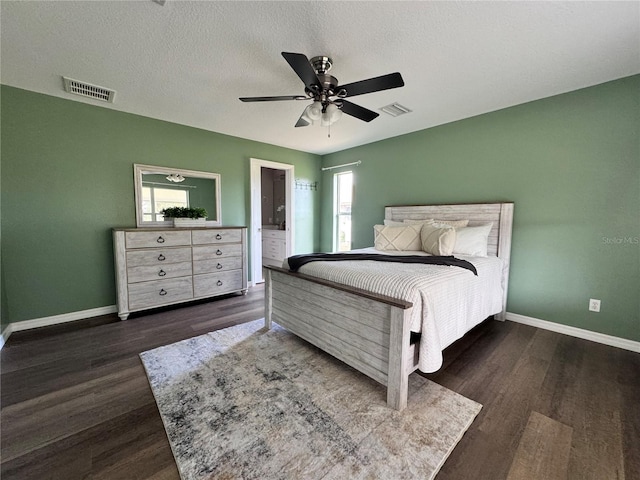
<point>447,301</point>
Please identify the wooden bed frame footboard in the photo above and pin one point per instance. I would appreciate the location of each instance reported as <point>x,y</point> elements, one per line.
<point>369,332</point>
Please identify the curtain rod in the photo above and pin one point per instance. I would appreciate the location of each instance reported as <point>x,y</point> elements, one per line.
<point>344,165</point>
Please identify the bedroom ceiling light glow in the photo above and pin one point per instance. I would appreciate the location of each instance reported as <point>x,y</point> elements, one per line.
<point>327,114</point>
<point>330,115</point>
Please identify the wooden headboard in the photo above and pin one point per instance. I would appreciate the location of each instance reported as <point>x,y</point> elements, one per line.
<point>500,214</point>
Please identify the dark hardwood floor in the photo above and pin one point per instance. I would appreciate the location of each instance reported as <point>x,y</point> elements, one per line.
<point>76,403</point>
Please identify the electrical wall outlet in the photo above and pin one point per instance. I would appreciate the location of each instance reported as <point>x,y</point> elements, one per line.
<point>594,305</point>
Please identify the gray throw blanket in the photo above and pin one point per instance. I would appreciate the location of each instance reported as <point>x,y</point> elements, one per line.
<point>297,261</point>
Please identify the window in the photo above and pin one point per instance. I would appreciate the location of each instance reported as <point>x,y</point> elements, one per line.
<point>155,199</point>
<point>343,196</point>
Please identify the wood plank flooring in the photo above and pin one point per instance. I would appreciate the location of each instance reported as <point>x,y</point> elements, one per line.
<point>76,403</point>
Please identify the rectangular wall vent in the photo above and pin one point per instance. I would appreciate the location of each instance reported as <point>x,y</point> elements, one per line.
<point>87,90</point>
<point>395,110</point>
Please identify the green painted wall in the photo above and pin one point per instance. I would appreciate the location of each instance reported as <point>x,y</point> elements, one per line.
<point>571,164</point>
<point>56,219</point>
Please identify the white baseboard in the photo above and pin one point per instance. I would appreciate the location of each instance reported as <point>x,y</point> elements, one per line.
<point>576,332</point>
<point>63,318</point>
<point>610,340</point>
<point>4,336</point>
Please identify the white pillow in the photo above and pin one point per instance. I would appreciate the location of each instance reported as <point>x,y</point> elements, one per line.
<point>437,240</point>
<point>472,240</point>
<point>440,223</point>
<point>401,239</point>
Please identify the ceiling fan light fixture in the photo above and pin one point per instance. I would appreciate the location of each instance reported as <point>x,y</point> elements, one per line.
<point>334,112</point>
<point>331,115</point>
<point>175,178</point>
<point>314,111</point>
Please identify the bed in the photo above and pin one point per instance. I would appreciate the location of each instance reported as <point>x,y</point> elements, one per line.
<point>375,332</point>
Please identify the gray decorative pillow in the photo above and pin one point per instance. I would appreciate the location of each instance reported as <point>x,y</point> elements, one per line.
<point>437,240</point>
<point>397,238</point>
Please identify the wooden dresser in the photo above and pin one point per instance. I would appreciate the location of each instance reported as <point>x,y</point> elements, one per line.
<point>274,247</point>
<point>164,266</point>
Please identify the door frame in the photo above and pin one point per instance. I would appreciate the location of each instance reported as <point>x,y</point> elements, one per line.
<point>256,212</point>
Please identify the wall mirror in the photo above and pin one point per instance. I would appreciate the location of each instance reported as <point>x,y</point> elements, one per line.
<point>157,188</point>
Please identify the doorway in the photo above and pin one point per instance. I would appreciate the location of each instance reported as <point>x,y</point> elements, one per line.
<point>272,218</point>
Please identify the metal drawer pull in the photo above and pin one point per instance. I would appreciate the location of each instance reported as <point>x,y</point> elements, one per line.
<point>163,292</point>
<point>219,252</point>
<point>219,266</point>
<point>219,283</point>
<point>218,236</point>
<point>160,239</point>
<point>162,258</point>
<point>162,273</point>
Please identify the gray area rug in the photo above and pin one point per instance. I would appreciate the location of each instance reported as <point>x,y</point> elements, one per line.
<point>246,403</point>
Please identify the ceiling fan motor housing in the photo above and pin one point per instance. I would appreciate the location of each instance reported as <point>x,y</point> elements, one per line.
<point>321,64</point>
<point>328,84</point>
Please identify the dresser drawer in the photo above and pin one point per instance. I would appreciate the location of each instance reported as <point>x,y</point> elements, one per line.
<point>217,265</point>
<point>159,256</point>
<point>217,283</point>
<point>271,262</point>
<point>271,242</point>
<point>211,252</point>
<point>164,238</point>
<point>220,235</point>
<point>272,253</point>
<point>273,248</point>
<point>160,292</point>
<point>158,272</point>
<point>277,234</point>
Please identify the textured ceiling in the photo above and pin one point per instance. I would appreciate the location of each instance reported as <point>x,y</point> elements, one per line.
<point>188,62</point>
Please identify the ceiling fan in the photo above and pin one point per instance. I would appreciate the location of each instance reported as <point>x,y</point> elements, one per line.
<point>328,96</point>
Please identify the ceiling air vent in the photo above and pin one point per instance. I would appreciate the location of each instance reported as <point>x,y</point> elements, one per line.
<point>87,90</point>
<point>395,110</point>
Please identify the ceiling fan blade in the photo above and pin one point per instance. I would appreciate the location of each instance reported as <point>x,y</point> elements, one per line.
<point>273,99</point>
<point>302,122</point>
<point>384,82</point>
<point>359,112</point>
<point>301,65</point>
